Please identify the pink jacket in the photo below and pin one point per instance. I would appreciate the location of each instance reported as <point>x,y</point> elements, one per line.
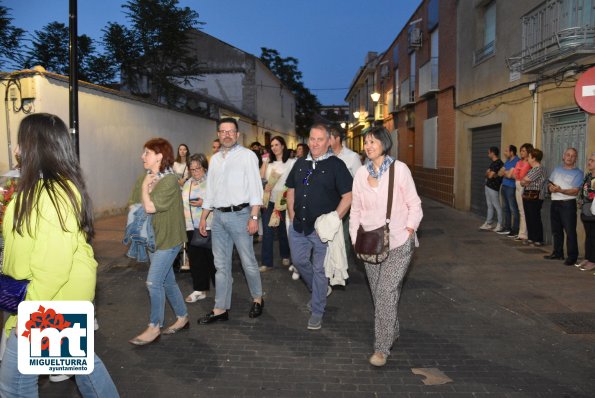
<point>368,206</point>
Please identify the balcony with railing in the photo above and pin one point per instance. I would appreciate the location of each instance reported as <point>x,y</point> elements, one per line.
<point>428,77</point>
<point>407,92</point>
<point>557,31</point>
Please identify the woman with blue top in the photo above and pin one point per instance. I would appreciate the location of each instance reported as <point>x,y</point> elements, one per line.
<point>202,266</point>
<point>47,229</point>
<point>159,193</point>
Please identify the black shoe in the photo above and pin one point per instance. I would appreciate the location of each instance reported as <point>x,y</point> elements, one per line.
<point>553,256</point>
<point>256,309</point>
<point>569,262</point>
<point>211,317</point>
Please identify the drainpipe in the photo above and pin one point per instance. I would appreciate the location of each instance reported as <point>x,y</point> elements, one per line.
<point>73,86</point>
<point>8,139</point>
<point>533,88</point>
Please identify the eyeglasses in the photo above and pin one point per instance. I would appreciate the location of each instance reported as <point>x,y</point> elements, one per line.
<point>227,132</point>
<point>307,178</point>
<point>194,169</point>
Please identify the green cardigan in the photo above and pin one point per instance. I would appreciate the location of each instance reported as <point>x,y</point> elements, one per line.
<point>59,264</point>
<point>168,219</point>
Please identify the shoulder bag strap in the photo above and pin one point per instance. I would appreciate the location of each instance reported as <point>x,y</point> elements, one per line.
<point>391,186</point>
<point>189,205</point>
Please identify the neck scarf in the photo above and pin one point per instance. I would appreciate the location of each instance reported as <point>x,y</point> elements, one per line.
<point>322,157</point>
<point>388,160</point>
<point>161,174</point>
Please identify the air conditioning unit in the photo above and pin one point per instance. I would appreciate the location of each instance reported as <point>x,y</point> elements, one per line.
<point>415,37</point>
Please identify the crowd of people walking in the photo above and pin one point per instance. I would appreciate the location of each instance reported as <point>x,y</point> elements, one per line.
<point>302,199</point>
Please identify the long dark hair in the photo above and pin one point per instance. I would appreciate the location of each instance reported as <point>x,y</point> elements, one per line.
<point>285,155</point>
<point>49,163</point>
<point>179,158</point>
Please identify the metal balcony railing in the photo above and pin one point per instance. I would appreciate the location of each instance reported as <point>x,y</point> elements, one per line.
<point>407,92</point>
<point>428,77</point>
<point>556,31</point>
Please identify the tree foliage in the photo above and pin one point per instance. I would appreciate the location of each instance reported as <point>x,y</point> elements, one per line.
<point>49,48</point>
<point>153,52</point>
<point>10,40</point>
<point>286,69</point>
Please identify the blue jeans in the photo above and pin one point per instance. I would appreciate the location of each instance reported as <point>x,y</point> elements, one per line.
<point>268,237</point>
<point>229,229</point>
<point>493,202</point>
<point>161,283</point>
<point>304,248</point>
<point>511,209</point>
<point>16,385</point>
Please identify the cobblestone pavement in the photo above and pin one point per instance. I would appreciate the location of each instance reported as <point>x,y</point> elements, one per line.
<point>481,309</point>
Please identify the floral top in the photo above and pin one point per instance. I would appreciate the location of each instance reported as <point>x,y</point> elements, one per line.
<point>194,189</point>
<point>587,192</point>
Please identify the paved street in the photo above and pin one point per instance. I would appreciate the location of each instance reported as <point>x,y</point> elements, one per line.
<point>488,313</point>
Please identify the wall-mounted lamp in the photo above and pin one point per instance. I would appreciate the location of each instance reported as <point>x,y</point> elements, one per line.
<point>343,125</point>
<point>356,114</point>
<point>375,96</point>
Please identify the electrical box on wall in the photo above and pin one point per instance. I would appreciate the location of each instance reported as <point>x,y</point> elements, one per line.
<point>27,88</point>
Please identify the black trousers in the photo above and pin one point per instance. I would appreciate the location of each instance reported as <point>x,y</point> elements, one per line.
<point>589,240</point>
<point>533,219</point>
<point>202,267</point>
<point>563,220</point>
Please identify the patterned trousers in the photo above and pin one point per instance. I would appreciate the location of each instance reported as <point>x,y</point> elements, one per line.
<point>386,281</point>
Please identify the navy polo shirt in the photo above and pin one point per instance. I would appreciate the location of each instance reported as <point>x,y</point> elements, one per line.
<point>318,190</point>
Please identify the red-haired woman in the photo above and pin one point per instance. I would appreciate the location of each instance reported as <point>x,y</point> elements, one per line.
<point>159,193</point>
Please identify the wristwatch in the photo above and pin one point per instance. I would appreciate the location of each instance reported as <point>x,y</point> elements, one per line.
<point>255,218</point>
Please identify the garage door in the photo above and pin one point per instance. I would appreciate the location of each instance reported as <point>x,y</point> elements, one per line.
<point>481,140</point>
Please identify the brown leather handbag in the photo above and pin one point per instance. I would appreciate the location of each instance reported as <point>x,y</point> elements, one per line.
<point>531,194</point>
<point>373,246</point>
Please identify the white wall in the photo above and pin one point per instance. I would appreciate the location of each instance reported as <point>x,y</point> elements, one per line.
<point>275,107</point>
<point>113,129</point>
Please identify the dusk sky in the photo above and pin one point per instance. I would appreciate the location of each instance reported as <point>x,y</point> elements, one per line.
<point>330,38</point>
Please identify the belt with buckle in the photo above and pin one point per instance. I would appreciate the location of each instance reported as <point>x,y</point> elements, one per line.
<point>233,208</point>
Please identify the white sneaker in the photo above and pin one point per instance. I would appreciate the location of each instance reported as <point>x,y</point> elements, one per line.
<point>59,378</point>
<point>292,269</point>
<point>498,228</point>
<point>329,290</point>
<point>295,276</point>
<point>486,226</point>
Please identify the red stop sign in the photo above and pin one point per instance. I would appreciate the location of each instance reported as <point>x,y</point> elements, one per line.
<point>584,91</point>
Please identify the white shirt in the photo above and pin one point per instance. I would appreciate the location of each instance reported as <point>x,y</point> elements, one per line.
<point>280,168</point>
<point>233,179</point>
<point>351,160</point>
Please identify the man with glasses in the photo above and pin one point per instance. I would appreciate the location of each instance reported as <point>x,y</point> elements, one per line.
<point>317,184</point>
<point>234,195</point>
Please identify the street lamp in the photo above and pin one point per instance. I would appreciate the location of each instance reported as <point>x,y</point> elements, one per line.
<point>356,114</point>
<point>375,96</point>
<point>343,125</point>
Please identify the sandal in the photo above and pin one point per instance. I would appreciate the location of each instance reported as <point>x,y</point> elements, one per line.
<point>195,296</point>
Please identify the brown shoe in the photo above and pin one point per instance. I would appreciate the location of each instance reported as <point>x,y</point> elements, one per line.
<point>378,359</point>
